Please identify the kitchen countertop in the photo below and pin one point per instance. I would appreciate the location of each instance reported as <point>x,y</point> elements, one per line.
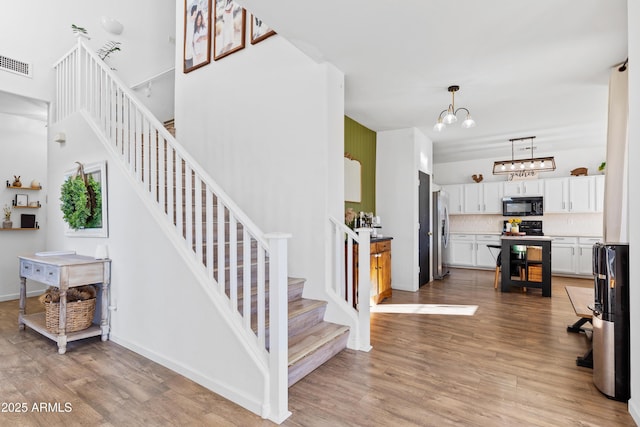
<point>526,237</point>
<point>377,239</point>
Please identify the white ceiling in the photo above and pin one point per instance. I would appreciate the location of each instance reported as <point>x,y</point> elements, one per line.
<point>524,68</point>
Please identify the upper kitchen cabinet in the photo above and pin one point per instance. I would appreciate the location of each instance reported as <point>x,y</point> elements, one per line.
<point>584,194</point>
<point>456,194</point>
<point>532,187</point>
<point>483,198</point>
<point>556,195</point>
<point>492,197</point>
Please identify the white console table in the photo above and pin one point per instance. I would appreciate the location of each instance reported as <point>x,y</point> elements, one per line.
<point>64,272</point>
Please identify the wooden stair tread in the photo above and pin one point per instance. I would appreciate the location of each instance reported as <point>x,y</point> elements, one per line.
<point>303,305</point>
<point>313,338</point>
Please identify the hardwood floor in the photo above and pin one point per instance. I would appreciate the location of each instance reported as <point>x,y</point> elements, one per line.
<point>512,363</point>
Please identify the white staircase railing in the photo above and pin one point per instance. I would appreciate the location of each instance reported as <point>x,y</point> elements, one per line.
<point>347,286</point>
<point>235,254</point>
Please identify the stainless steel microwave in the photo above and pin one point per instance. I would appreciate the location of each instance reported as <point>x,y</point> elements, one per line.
<point>522,206</point>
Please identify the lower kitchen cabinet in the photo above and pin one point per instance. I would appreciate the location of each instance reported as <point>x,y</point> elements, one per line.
<point>471,250</point>
<point>380,270</point>
<point>572,255</point>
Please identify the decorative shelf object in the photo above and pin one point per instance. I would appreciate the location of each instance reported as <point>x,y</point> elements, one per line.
<point>39,187</point>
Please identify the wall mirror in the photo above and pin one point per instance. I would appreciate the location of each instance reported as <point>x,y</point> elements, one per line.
<point>352,179</point>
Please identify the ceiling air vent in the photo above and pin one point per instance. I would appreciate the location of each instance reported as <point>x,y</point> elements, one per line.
<point>16,66</point>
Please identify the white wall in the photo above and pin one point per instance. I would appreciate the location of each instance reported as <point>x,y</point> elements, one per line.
<point>266,122</point>
<point>566,161</point>
<point>163,312</point>
<point>40,33</point>
<point>634,206</point>
<point>24,151</point>
<point>400,155</point>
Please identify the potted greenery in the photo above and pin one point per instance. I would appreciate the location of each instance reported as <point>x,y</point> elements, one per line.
<point>7,217</point>
<point>602,166</point>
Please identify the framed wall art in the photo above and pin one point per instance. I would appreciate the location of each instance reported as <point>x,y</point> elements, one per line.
<point>97,225</point>
<point>197,34</point>
<point>259,30</point>
<point>229,33</point>
<point>22,200</point>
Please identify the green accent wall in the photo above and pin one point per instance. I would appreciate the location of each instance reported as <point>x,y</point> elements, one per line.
<point>360,142</point>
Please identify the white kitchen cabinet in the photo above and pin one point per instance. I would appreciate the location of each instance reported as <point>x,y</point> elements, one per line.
<point>572,255</point>
<point>485,257</point>
<point>582,194</point>
<point>455,194</point>
<point>585,254</point>
<point>599,193</point>
<point>462,250</point>
<point>492,197</point>
<point>483,198</point>
<point>469,250</point>
<point>563,251</point>
<point>556,195</point>
<point>473,201</point>
<point>530,187</point>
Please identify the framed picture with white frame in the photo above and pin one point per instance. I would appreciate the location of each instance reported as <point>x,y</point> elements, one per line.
<point>97,171</point>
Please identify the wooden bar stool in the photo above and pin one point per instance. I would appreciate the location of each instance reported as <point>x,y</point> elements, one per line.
<point>498,264</point>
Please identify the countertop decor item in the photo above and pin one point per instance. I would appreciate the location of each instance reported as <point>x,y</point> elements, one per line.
<point>7,217</point>
<point>579,172</point>
<point>16,181</point>
<point>602,166</point>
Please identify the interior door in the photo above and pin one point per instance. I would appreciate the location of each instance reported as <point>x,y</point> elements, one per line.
<point>424,232</point>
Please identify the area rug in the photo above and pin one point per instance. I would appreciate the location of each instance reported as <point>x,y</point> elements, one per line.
<point>450,310</point>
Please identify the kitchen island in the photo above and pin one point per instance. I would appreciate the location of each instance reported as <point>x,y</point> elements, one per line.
<point>526,263</point>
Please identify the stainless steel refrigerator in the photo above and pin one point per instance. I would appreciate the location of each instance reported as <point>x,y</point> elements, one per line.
<point>611,352</point>
<point>441,233</point>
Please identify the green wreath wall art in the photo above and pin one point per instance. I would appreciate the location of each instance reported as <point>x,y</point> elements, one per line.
<point>81,199</point>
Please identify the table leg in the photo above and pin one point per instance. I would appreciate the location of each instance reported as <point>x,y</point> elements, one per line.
<point>23,301</point>
<point>577,327</point>
<point>104,312</point>
<point>585,361</point>
<point>62,323</point>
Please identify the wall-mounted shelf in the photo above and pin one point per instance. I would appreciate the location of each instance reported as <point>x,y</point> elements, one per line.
<point>23,188</point>
<point>18,229</point>
<point>26,207</point>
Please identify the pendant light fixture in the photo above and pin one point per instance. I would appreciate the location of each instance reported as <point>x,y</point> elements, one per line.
<point>451,113</point>
<point>537,164</point>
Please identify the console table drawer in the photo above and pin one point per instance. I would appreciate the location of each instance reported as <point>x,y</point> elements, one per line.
<point>44,273</point>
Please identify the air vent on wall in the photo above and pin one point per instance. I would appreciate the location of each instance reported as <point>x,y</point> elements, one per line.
<point>16,66</point>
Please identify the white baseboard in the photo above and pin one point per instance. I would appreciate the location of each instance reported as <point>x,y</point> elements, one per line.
<point>248,402</point>
<point>32,293</point>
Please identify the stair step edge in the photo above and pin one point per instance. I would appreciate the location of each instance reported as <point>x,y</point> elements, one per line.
<point>299,349</point>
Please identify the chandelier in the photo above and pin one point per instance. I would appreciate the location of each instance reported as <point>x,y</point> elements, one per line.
<point>451,112</point>
<point>537,164</point>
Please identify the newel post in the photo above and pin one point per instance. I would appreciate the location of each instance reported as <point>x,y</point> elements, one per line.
<point>278,327</point>
<point>364,288</point>
<point>78,72</point>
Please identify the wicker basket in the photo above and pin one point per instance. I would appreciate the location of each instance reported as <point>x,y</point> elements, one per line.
<point>79,315</point>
